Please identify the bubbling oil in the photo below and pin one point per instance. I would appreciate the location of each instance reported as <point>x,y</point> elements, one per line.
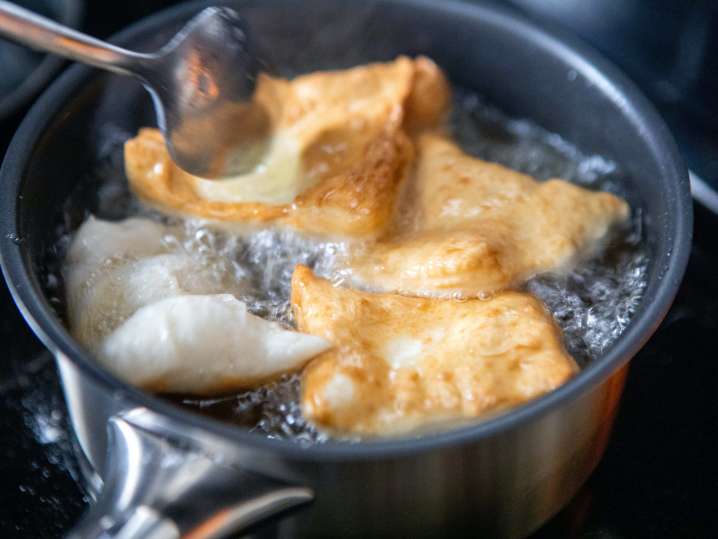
<point>592,304</point>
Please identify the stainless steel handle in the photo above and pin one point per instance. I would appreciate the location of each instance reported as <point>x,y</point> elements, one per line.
<point>38,32</point>
<point>156,488</point>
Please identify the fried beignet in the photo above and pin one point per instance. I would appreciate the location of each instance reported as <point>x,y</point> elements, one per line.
<point>401,364</point>
<point>337,157</point>
<point>476,227</point>
<point>160,319</point>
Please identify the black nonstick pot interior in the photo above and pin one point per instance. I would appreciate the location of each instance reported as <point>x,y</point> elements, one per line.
<point>571,91</point>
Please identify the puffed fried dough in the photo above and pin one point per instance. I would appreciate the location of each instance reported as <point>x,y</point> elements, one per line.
<point>478,227</point>
<point>349,127</point>
<point>400,364</point>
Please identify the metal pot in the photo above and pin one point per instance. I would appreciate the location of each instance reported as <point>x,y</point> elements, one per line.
<point>170,473</point>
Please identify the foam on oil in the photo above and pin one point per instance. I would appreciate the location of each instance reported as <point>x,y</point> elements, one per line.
<point>592,304</point>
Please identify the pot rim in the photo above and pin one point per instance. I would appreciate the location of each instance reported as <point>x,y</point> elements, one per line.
<point>28,295</point>
<point>67,12</point>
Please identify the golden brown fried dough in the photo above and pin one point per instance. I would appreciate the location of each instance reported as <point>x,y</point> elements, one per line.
<point>399,363</point>
<point>337,157</point>
<point>477,227</point>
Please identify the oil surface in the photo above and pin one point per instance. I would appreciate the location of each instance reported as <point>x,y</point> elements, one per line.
<point>593,304</point>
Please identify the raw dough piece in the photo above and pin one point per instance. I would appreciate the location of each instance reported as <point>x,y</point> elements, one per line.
<point>204,345</point>
<point>160,319</point>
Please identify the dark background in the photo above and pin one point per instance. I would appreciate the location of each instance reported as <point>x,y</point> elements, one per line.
<point>659,475</point>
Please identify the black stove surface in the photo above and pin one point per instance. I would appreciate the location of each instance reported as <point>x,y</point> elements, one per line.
<point>657,478</point>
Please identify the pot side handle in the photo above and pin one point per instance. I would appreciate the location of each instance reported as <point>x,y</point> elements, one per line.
<point>155,488</point>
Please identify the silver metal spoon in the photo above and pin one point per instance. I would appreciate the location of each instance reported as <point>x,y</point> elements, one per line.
<point>201,83</point>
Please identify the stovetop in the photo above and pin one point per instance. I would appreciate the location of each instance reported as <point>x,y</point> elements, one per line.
<point>659,473</point>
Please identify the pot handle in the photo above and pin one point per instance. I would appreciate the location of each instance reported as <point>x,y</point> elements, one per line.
<point>155,488</point>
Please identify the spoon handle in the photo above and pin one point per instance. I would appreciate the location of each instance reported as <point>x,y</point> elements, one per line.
<point>38,32</point>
